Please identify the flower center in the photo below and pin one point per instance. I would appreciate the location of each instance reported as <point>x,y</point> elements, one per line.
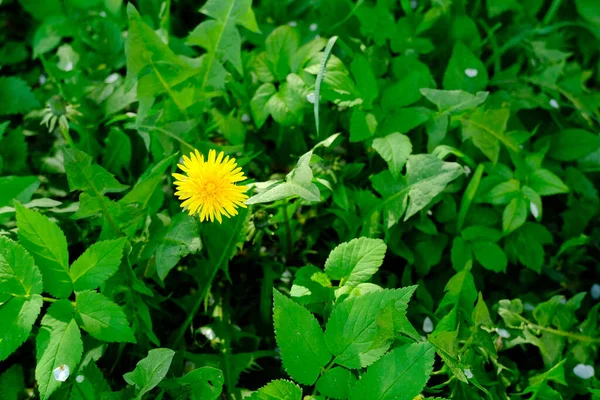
<point>210,188</point>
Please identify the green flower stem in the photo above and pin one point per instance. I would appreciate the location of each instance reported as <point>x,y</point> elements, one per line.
<point>49,299</point>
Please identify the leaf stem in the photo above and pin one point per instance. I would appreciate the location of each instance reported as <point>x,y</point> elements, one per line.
<point>570,335</point>
<point>49,299</point>
<point>288,231</point>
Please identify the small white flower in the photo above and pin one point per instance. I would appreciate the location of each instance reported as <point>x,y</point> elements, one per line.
<point>554,104</point>
<point>286,276</point>
<point>69,66</point>
<point>61,373</point>
<point>468,373</point>
<point>427,325</point>
<point>467,170</point>
<point>503,333</point>
<point>79,378</point>
<point>311,98</point>
<point>313,27</point>
<point>112,78</point>
<point>245,118</point>
<point>208,332</point>
<point>293,24</point>
<point>429,212</point>
<point>584,371</point>
<point>471,72</point>
<point>534,210</point>
<point>595,291</point>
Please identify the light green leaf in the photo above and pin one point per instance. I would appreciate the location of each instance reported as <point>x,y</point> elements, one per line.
<point>539,383</point>
<point>468,196</point>
<point>459,300</point>
<point>394,149</point>
<point>400,375</point>
<point>87,176</point>
<point>17,315</point>
<point>58,345</point>
<point>150,371</point>
<point>98,263</point>
<point>48,246</point>
<point>19,188</point>
<point>546,183</point>
<point>453,101</point>
<point>300,338</point>
<point>16,96</point>
<point>238,10</point>
<point>102,318</point>
<point>490,255</point>
<point>19,276</point>
<point>366,82</point>
<point>487,130</point>
<point>281,45</point>
<point>355,261</point>
<point>336,383</point>
<point>279,389</point>
<point>465,71</point>
<point>514,215</point>
<point>573,144</point>
<point>205,383</point>
<point>258,104</point>
<point>287,105</point>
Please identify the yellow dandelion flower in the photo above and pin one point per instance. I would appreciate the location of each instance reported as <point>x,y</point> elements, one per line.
<point>208,187</point>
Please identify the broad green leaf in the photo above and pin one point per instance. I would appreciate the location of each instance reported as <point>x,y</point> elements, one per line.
<point>446,345</point>
<point>487,130</point>
<point>205,383</point>
<point>150,371</point>
<point>362,125</point>
<point>546,183</point>
<point>148,183</point>
<point>361,329</point>
<point>501,193</point>
<point>281,45</point>
<point>238,10</point>
<point>394,149</point>
<point>19,276</point>
<point>279,389</point>
<point>538,385</point>
<point>514,215</point>
<point>58,345</point>
<point>465,71</point>
<point>287,105</point>
<point>453,101</point>
<point>258,104</point>
<point>48,246</point>
<point>18,315</point>
<point>300,338</point>
<point>12,383</point>
<point>173,242</point>
<point>98,263</point>
<point>16,96</point>
<point>87,176</point>
<point>588,9</point>
<point>573,144</point>
<point>311,285</point>
<point>461,254</point>
<point>459,300</point>
<point>117,152</point>
<point>102,318</point>
<point>336,383</point>
<point>355,261</point>
<point>366,82</point>
<point>399,375</point>
<point>490,255</point>
<point>19,188</point>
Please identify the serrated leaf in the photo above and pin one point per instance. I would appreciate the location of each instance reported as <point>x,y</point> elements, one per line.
<point>19,276</point>
<point>300,338</point>
<point>87,176</point>
<point>279,389</point>
<point>487,130</point>
<point>400,375</point>
<point>361,329</point>
<point>150,371</point>
<point>58,345</point>
<point>205,383</point>
<point>454,101</point>
<point>16,96</point>
<point>102,318</point>
<point>18,315</point>
<point>98,263</point>
<point>355,261</point>
<point>48,246</point>
<point>336,383</point>
<point>394,149</point>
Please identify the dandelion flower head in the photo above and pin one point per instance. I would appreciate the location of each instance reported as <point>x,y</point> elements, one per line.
<point>208,187</point>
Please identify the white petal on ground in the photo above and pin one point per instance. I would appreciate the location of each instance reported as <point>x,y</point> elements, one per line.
<point>584,371</point>
<point>61,373</point>
<point>554,104</point>
<point>427,325</point>
<point>208,332</point>
<point>471,72</point>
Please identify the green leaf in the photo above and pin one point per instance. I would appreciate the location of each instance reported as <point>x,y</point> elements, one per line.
<point>400,375</point>
<point>88,177</point>
<point>490,255</point>
<point>150,371</point>
<point>468,196</point>
<point>102,318</point>
<point>458,300</point>
<point>300,338</point>
<point>258,104</point>
<point>539,383</point>
<point>287,105</point>
<point>175,241</point>
<point>465,71</point>
<point>98,263</point>
<point>355,261</point>
<point>366,82</point>
<point>514,215</point>
<point>148,183</point>
<point>238,10</point>
<point>12,383</point>
<point>16,96</point>
<point>206,383</point>
<point>336,383</point>
<point>546,183</point>
<point>18,315</point>
<point>48,246</point>
<point>279,389</point>
<point>58,345</point>
<point>487,130</point>
<point>453,101</point>
<point>394,149</point>
<point>19,276</point>
<point>446,345</point>
<point>362,125</point>
<point>573,144</point>
<point>588,9</point>
<point>19,188</point>
<point>281,45</point>
<point>361,329</point>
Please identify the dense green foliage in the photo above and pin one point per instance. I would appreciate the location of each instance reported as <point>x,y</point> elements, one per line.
<point>423,219</point>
